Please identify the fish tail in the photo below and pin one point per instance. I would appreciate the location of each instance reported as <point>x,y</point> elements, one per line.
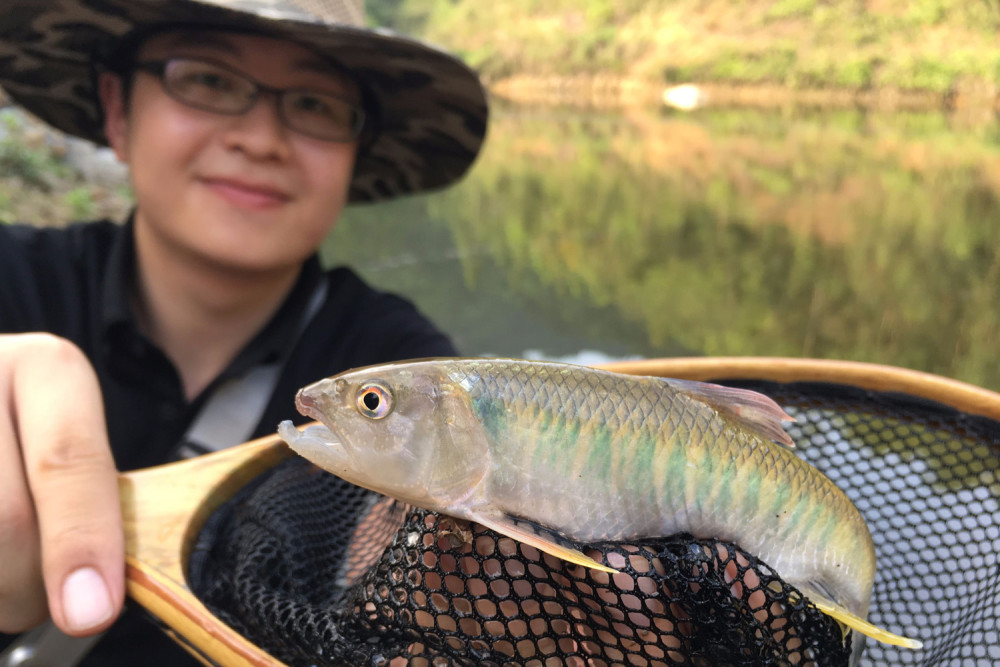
<point>852,621</point>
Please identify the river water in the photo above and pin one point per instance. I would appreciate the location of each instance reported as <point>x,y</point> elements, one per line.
<point>592,235</point>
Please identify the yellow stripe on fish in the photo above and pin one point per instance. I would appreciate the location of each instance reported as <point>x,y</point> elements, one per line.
<point>593,455</point>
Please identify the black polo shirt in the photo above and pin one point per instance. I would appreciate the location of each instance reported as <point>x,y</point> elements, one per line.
<point>75,282</point>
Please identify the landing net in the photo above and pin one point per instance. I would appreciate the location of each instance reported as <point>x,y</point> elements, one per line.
<point>316,571</point>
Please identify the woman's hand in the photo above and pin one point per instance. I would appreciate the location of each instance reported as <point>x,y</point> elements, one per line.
<point>61,543</point>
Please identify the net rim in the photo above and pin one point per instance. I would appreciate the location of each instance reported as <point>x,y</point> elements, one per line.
<point>962,396</point>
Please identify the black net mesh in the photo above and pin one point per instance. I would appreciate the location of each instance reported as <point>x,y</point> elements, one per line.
<point>316,571</point>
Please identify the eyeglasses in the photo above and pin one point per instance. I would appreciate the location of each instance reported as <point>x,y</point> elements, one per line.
<point>214,87</point>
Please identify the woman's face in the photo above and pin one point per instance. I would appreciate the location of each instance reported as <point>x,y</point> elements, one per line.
<point>241,192</point>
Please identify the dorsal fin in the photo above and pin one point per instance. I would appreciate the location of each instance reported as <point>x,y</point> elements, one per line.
<point>749,408</point>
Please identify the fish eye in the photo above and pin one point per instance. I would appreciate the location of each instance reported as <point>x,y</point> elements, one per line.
<point>374,400</point>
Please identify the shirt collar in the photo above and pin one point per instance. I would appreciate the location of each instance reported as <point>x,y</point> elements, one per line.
<point>116,311</point>
<point>275,341</point>
<point>271,344</point>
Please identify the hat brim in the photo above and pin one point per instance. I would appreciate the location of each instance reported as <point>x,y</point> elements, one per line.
<point>432,109</point>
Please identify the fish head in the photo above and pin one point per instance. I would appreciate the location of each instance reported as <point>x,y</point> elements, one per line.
<point>404,430</point>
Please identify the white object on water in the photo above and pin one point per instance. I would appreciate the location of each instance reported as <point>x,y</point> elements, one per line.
<point>685,97</point>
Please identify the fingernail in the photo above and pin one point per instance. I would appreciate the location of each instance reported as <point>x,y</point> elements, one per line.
<point>86,601</point>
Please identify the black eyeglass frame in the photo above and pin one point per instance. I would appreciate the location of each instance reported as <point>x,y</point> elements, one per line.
<point>158,68</point>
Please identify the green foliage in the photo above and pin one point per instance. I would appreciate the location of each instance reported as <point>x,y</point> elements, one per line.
<point>853,72</point>
<point>80,201</point>
<point>478,58</point>
<point>600,13</point>
<point>925,45</point>
<point>37,187</point>
<point>737,66</point>
<point>821,71</point>
<point>927,13</point>
<point>385,13</point>
<point>31,165</point>
<point>785,8</point>
<point>29,161</point>
<point>927,74</point>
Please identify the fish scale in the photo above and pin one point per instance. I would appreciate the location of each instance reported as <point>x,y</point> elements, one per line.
<point>579,398</point>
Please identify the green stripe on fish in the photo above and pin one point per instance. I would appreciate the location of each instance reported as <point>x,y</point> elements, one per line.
<point>598,461</point>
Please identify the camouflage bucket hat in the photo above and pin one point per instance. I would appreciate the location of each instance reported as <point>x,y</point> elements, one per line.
<point>430,109</point>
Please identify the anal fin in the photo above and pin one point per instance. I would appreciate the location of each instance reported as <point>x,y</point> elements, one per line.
<point>525,531</point>
<point>843,616</point>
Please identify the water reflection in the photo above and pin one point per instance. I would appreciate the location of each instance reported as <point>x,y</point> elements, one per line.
<point>840,235</point>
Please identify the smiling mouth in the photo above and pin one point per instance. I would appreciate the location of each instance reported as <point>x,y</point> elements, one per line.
<point>247,196</point>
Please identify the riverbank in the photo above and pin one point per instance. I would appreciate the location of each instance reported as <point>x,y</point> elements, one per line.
<point>49,178</point>
<point>884,54</point>
<point>607,91</point>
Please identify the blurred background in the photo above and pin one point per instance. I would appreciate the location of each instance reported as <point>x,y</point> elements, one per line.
<point>801,178</point>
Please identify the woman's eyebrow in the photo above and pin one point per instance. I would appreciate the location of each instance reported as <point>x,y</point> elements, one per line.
<point>312,64</point>
<point>319,66</point>
<point>206,38</point>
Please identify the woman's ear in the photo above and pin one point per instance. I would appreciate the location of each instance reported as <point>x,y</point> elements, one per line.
<point>112,95</point>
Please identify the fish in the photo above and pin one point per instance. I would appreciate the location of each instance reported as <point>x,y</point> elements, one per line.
<point>558,455</point>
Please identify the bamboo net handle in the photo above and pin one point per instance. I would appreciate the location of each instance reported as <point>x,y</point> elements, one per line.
<point>163,509</point>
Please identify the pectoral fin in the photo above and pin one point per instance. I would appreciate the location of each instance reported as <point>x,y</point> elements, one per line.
<point>855,622</point>
<point>526,532</point>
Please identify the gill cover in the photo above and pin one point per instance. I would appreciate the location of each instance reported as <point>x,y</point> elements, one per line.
<point>406,432</point>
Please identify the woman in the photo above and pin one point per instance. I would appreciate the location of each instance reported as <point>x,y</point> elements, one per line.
<point>247,127</point>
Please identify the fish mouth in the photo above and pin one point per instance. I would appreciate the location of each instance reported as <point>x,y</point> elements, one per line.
<point>316,442</point>
<point>308,405</point>
<point>319,445</point>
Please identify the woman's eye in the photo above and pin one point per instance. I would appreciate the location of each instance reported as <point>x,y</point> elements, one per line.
<point>312,104</point>
<point>213,80</point>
